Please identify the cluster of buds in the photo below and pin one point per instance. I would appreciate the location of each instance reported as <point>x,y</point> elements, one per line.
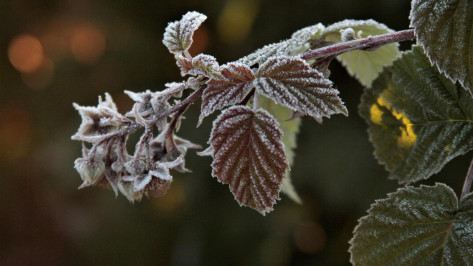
<point>107,162</point>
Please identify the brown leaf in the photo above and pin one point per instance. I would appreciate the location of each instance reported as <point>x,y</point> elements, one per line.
<point>249,156</point>
<point>231,89</point>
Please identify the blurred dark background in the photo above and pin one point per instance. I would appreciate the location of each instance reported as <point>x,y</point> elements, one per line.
<point>57,52</point>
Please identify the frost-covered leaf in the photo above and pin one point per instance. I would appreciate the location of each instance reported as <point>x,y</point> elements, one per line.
<point>290,129</point>
<point>364,65</point>
<point>418,119</point>
<point>202,64</point>
<point>445,29</point>
<point>416,226</point>
<point>178,34</point>
<point>290,81</point>
<point>231,89</point>
<point>297,44</point>
<point>249,156</point>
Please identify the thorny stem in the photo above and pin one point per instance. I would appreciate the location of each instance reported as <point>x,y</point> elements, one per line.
<point>359,44</point>
<point>468,182</point>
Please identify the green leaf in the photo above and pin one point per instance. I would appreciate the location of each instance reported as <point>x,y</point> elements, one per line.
<point>364,65</point>
<point>416,226</point>
<point>290,129</point>
<point>445,29</point>
<point>418,119</point>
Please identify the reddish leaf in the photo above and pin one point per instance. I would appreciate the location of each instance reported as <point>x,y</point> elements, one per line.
<point>291,82</point>
<point>231,89</point>
<point>249,156</point>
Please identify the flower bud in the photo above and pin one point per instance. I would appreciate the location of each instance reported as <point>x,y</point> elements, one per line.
<point>135,167</point>
<point>90,170</point>
<point>157,187</point>
<point>127,189</point>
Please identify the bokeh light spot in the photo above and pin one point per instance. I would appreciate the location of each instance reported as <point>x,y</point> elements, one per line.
<point>42,77</point>
<point>25,53</point>
<point>87,43</point>
<point>236,20</point>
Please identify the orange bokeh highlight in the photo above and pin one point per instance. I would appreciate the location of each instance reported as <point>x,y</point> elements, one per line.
<point>25,53</point>
<point>42,77</point>
<point>87,43</point>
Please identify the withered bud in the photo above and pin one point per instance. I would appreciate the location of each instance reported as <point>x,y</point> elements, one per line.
<point>127,189</point>
<point>135,166</point>
<point>90,170</point>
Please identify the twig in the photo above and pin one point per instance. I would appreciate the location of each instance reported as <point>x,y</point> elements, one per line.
<point>468,182</point>
<point>184,104</point>
<point>369,42</point>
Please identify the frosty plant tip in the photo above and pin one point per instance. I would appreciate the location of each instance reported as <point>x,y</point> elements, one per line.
<point>257,94</point>
<point>417,104</point>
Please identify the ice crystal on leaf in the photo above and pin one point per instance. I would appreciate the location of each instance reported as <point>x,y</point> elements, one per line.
<point>231,89</point>
<point>178,34</point>
<point>248,155</point>
<point>98,122</point>
<point>202,64</point>
<point>290,81</point>
<point>298,43</point>
<point>290,129</point>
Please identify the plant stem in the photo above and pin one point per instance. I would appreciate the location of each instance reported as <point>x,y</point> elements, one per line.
<point>184,104</point>
<point>468,182</point>
<point>359,44</point>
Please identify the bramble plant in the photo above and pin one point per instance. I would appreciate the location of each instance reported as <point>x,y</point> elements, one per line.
<point>418,106</point>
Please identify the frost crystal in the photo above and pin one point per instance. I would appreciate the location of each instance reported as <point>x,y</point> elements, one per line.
<point>98,122</point>
<point>249,156</point>
<point>291,82</point>
<point>90,170</point>
<point>152,103</point>
<point>297,44</point>
<point>202,64</point>
<point>229,90</point>
<point>178,34</point>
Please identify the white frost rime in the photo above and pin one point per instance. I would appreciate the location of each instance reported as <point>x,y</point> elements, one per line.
<point>231,89</point>
<point>249,156</point>
<point>291,82</point>
<point>178,34</point>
